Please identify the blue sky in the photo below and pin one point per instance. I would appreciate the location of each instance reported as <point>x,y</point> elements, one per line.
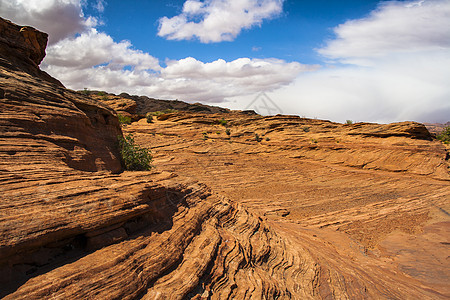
<point>293,35</point>
<point>377,61</point>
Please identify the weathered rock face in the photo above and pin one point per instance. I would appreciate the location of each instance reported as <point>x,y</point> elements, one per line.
<point>23,48</point>
<point>44,125</point>
<point>265,208</point>
<point>23,42</point>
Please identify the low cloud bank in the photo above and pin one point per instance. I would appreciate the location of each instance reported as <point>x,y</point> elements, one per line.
<point>393,65</point>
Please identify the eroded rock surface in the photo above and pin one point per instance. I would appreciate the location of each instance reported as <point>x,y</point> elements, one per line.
<point>247,207</point>
<point>364,207</point>
<point>23,48</point>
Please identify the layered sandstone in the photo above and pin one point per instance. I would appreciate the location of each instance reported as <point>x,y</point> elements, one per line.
<point>23,49</point>
<point>261,208</point>
<point>362,206</point>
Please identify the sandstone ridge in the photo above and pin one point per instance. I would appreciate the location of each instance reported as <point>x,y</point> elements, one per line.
<point>237,207</point>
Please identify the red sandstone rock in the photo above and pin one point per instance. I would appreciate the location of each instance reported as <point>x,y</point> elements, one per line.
<point>22,49</point>
<point>346,198</point>
<point>308,209</point>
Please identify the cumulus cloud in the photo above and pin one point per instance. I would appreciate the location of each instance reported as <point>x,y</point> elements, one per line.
<point>59,18</point>
<point>217,20</point>
<point>215,81</point>
<point>93,48</point>
<point>93,60</point>
<point>397,68</point>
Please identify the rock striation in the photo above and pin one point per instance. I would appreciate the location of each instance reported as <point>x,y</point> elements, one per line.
<point>23,49</point>
<point>238,206</point>
<point>363,207</point>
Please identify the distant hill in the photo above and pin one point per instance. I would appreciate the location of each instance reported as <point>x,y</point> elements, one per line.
<point>140,105</point>
<point>436,128</point>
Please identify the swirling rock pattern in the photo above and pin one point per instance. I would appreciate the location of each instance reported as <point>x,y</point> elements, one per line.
<point>361,210</point>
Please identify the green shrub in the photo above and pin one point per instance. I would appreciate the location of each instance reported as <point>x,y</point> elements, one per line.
<point>101,94</point>
<point>349,122</point>
<point>134,156</point>
<point>228,131</point>
<point>85,91</point>
<point>258,138</point>
<point>444,136</point>
<point>222,122</point>
<point>306,129</point>
<point>124,119</point>
<point>149,118</point>
<point>267,138</point>
<point>162,112</point>
<point>156,113</point>
<point>169,111</point>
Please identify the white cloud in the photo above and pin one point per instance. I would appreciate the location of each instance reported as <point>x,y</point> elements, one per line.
<point>394,27</point>
<point>100,5</point>
<point>397,89</point>
<point>400,68</point>
<point>93,60</point>
<point>217,20</point>
<point>92,48</point>
<point>59,18</point>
